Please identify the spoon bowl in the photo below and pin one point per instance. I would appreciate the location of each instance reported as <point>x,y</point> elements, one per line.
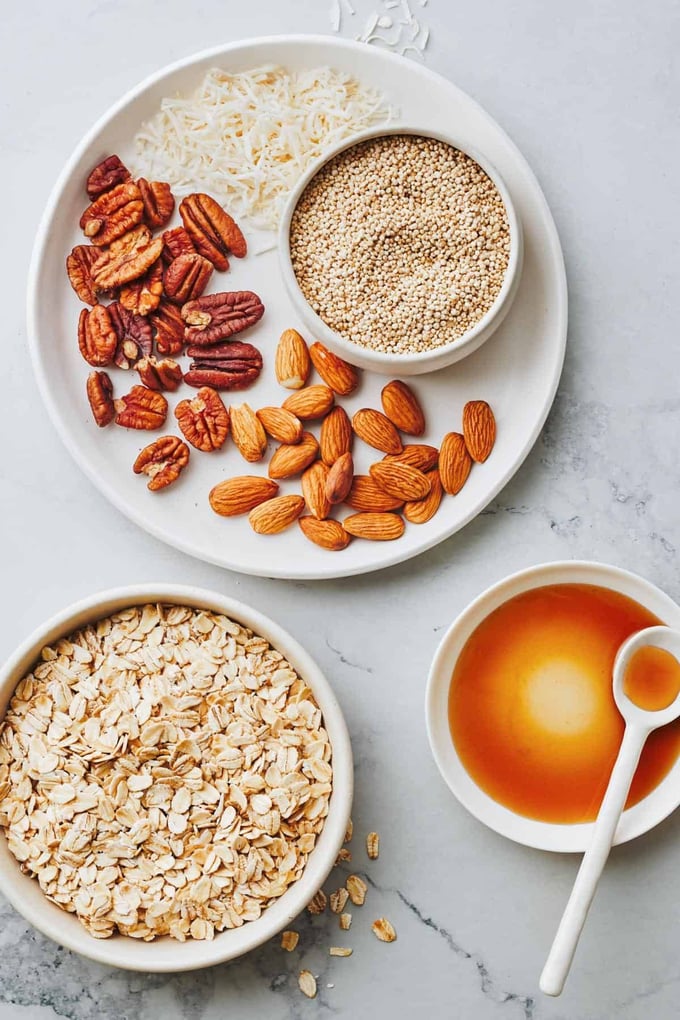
<point>651,637</point>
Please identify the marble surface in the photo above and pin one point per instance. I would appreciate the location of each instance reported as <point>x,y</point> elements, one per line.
<point>589,93</point>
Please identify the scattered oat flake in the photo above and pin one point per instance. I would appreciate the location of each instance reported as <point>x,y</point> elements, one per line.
<point>383,930</point>
<point>317,904</point>
<point>307,984</point>
<point>344,856</point>
<point>338,899</point>
<point>357,889</point>
<point>349,831</point>
<point>345,921</point>
<point>289,940</point>
<point>340,951</point>
<point>373,845</point>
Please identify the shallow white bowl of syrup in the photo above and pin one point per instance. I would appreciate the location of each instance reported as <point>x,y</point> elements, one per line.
<point>544,835</point>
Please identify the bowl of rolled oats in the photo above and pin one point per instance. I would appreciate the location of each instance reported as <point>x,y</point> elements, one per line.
<point>175,778</point>
<point>401,249</point>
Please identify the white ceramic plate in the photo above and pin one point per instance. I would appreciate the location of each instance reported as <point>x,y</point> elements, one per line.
<point>517,370</point>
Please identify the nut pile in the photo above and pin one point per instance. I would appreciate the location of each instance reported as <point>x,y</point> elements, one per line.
<point>419,243</point>
<point>353,890</point>
<point>409,482</point>
<point>163,771</point>
<point>154,286</point>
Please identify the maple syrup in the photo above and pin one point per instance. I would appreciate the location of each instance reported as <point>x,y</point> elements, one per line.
<point>531,709</point>
<point>652,679</point>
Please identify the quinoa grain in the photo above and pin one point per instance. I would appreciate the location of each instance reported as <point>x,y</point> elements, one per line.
<point>400,244</point>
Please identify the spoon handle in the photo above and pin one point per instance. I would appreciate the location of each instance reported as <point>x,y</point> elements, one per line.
<point>566,939</point>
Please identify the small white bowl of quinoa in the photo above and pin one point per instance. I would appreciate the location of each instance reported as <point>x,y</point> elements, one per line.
<point>401,250</point>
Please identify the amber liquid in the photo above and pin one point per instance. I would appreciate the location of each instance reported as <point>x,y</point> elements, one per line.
<point>652,678</point>
<point>531,709</point>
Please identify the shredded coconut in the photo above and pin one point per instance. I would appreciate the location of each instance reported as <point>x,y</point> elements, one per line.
<point>246,138</point>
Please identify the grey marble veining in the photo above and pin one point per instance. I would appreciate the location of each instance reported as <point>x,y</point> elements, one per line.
<point>589,93</point>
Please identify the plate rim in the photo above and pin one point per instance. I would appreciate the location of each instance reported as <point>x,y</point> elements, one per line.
<point>108,490</point>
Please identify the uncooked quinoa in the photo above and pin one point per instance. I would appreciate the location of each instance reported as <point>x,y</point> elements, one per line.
<point>401,243</point>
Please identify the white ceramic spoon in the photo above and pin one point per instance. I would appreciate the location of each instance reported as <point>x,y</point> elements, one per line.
<point>639,724</point>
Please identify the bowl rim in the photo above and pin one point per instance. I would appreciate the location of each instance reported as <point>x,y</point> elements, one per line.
<point>563,838</point>
<point>472,339</point>
<point>167,955</point>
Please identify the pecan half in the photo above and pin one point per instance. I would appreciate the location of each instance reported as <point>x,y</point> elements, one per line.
<point>134,336</point>
<point>159,202</point>
<point>112,270</point>
<point>165,374</point>
<point>97,337</point>
<point>167,321</point>
<point>204,421</point>
<point>226,367</point>
<point>113,213</point>
<point>213,231</point>
<point>106,175</point>
<point>144,295</point>
<point>78,266</point>
<point>100,396</point>
<point>163,461</point>
<point>137,237</point>
<point>176,242</point>
<point>186,278</point>
<point>141,408</point>
<point>216,317</point>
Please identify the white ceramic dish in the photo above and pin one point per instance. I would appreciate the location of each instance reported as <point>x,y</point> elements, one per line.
<point>543,835</point>
<point>165,954</point>
<point>517,370</point>
<point>424,361</point>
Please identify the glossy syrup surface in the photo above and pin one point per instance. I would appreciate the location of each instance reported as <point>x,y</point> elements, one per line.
<point>531,709</point>
<point>652,678</point>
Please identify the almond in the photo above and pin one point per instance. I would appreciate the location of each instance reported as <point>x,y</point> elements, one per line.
<point>239,495</point>
<point>401,406</point>
<point>314,490</point>
<point>339,480</point>
<point>328,534</point>
<point>423,510</point>
<point>376,527</point>
<point>335,437</point>
<point>292,364</point>
<point>377,430</point>
<point>312,402</point>
<point>365,494</point>
<point>247,432</point>
<point>418,455</point>
<point>280,424</point>
<point>275,515</point>
<point>342,377</point>
<point>454,462</point>
<point>400,480</point>
<point>290,459</point>
<point>479,429</point>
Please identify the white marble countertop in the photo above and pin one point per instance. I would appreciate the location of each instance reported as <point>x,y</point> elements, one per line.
<point>589,93</point>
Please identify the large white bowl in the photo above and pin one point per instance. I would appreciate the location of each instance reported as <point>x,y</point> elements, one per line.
<point>165,954</point>
<point>423,361</point>
<point>543,835</point>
